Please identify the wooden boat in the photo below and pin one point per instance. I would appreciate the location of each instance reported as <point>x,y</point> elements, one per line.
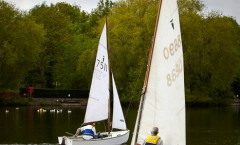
<point>163,99</point>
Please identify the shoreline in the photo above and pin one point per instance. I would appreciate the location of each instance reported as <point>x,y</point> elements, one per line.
<point>23,101</point>
<point>236,102</point>
<point>59,101</point>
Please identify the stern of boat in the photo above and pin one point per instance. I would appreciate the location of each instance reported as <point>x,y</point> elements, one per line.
<point>60,140</point>
<point>64,140</point>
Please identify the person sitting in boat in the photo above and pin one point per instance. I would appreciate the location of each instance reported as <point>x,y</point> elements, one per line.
<point>88,131</point>
<point>153,138</point>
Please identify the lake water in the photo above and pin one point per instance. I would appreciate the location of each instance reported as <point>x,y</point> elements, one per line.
<point>25,125</point>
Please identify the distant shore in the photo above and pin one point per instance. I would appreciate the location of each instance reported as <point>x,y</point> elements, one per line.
<point>59,101</point>
<point>25,101</point>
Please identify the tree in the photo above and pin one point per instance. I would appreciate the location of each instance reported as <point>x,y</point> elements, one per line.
<point>58,36</point>
<point>222,49</point>
<point>129,41</point>
<point>207,51</point>
<point>20,42</point>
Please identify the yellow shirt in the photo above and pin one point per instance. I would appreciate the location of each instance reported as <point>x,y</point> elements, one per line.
<point>152,139</point>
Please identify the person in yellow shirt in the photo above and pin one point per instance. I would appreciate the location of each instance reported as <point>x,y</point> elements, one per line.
<point>153,138</point>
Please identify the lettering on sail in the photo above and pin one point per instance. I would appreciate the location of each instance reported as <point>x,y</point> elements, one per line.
<point>101,64</point>
<point>176,71</point>
<point>169,52</point>
<point>172,48</point>
<point>99,74</point>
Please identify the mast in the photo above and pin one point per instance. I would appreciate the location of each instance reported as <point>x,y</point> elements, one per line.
<point>151,50</point>
<point>109,102</point>
<point>147,73</point>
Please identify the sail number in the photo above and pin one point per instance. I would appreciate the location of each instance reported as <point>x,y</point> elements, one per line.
<point>173,47</point>
<point>173,75</point>
<point>102,65</point>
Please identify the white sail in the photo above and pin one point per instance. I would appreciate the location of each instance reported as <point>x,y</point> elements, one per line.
<point>164,99</point>
<point>97,107</point>
<point>118,118</point>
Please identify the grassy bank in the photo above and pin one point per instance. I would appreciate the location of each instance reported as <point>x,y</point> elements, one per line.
<point>24,101</point>
<point>15,101</point>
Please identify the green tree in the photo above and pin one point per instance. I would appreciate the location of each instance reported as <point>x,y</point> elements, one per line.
<point>210,45</point>
<point>192,38</point>
<point>20,42</point>
<point>58,28</point>
<point>130,37</point>
<point>222,53</point>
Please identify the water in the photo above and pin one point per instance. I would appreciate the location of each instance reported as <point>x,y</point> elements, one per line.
<point>213,126</point>
<point>25,125</point>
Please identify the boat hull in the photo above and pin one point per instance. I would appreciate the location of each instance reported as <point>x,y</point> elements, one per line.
<point>115,138</point>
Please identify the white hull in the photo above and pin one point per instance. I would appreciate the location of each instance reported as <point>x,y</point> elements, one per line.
<point>115,138</point>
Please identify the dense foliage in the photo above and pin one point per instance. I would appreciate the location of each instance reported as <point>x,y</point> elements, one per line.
<point>55,46</point>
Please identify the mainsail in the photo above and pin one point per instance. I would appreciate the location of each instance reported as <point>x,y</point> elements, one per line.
<point>97,107</point>
<point>163,100</point>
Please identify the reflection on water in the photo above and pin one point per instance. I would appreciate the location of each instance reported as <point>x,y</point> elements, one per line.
<point>213,126</point>
<point>29,125</point>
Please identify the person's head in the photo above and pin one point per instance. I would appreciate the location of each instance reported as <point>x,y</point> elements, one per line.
<point>93,124</point>
<point>154,131</point>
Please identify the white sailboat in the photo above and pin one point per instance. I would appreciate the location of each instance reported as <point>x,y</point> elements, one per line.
<point>98,102</point>
<point>163,99</point>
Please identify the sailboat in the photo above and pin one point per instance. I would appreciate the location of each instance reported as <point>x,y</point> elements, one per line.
<point>98,102</point>
<point>162,101</point>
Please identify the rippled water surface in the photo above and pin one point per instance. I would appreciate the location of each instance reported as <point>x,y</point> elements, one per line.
<point>27,125</point>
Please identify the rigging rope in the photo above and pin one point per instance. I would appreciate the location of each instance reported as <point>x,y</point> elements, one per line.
<point>138,78</point>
